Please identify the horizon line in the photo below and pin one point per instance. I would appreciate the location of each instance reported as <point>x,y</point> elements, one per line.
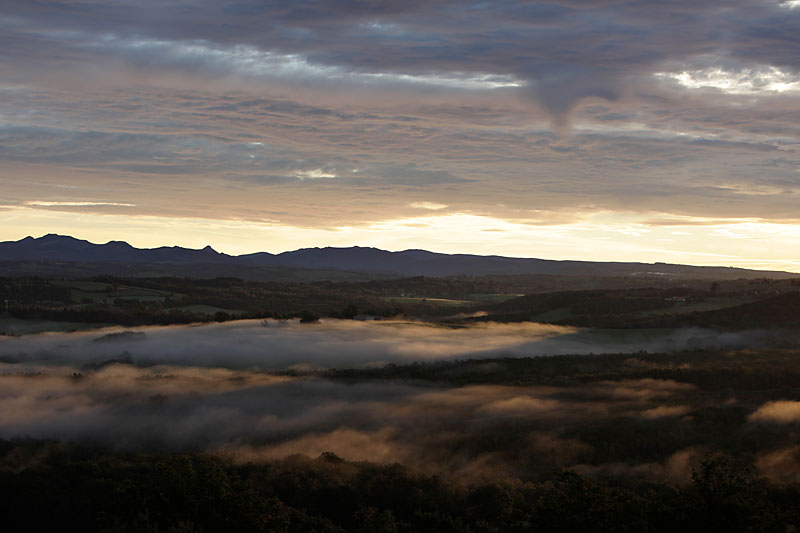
<point>211,248</point>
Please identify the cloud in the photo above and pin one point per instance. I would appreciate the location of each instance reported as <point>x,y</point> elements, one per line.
<point>42,203</point>
<point>348,444</point>
<point>205,387</point>
<point>521,405</point>
<point>315,174</point>
<point>450,102</point>
<point>779,412</point>
<point>255,416</point>
<point>675,469</point>
<point>750,81</point>
<point>781,465</point>
<point>250,415</point>
<point>432,206</point>
<point>644,389</point>
<point>277,345</point>
<point>664,411</point>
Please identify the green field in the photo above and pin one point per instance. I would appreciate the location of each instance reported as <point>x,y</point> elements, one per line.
<point>444,302</point>
<point>207,309</point>
<point>554,315</point>
<point>106,293</point>
<point>15,326</point>
<point>493,297</point>
<point>711,303</point>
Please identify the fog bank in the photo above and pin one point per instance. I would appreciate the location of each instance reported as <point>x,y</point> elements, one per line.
<point>276,345</point>
<point>254,416</point>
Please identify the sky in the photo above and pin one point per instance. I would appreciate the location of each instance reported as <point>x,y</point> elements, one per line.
<point>604,130</point>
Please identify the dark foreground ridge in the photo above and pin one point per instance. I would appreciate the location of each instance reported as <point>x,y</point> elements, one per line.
<point>58,248</point>
<point>46,486</point>
<point>731,415</point>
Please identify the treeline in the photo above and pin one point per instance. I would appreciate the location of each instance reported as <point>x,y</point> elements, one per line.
<point>716,394</point>
<point>33,290</point>
<point>782,310</point>
<point>133,314</point>
<point>591,307</point>
<point>629,309</point>
<point>129,315</point>
<point>39,298</point>
<point>722,371</point>
<point>46,486</point>
<point>159,300</point>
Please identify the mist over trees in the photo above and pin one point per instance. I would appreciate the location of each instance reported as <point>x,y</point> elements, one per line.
<point>494,403</point>
<point>693,440</point>
<point>94,489</point>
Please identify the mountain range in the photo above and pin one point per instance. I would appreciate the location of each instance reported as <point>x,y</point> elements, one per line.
<point>54,248</point>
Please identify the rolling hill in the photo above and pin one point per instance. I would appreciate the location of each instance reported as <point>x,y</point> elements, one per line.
<point>53,248</point>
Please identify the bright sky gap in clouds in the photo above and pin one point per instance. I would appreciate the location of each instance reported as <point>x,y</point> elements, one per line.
<point>642,131</point>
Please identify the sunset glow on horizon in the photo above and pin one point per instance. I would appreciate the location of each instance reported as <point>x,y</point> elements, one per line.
<point>607,132</point>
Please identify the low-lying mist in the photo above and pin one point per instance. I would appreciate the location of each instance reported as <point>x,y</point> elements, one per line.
<point>209,388</point>
<point>277,345</point>
<point>473,432</point>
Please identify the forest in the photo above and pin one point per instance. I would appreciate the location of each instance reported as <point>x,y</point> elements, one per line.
<point>692,440</point>
<point>607,302</point>
<point>465,404</point>
<point>91,489</point>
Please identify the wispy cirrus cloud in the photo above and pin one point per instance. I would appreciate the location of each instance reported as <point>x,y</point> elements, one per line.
<point>42,203</point>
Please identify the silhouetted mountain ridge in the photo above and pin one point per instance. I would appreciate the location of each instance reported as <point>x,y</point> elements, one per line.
<point>52,247</point>
<point>415,262</point>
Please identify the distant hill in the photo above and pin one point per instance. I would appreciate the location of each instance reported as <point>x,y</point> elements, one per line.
<point>57,248</point>
<point>62,248</point>
<point>781,311</point>
<point>424,263</point>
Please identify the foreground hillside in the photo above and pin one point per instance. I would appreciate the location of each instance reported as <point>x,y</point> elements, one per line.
<point>99,490</point>
<point>690,441</point>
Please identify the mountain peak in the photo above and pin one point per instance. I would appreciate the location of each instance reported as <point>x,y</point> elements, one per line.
<point>122,244</point>
<point>53,238</point>
<point>414,262</point>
